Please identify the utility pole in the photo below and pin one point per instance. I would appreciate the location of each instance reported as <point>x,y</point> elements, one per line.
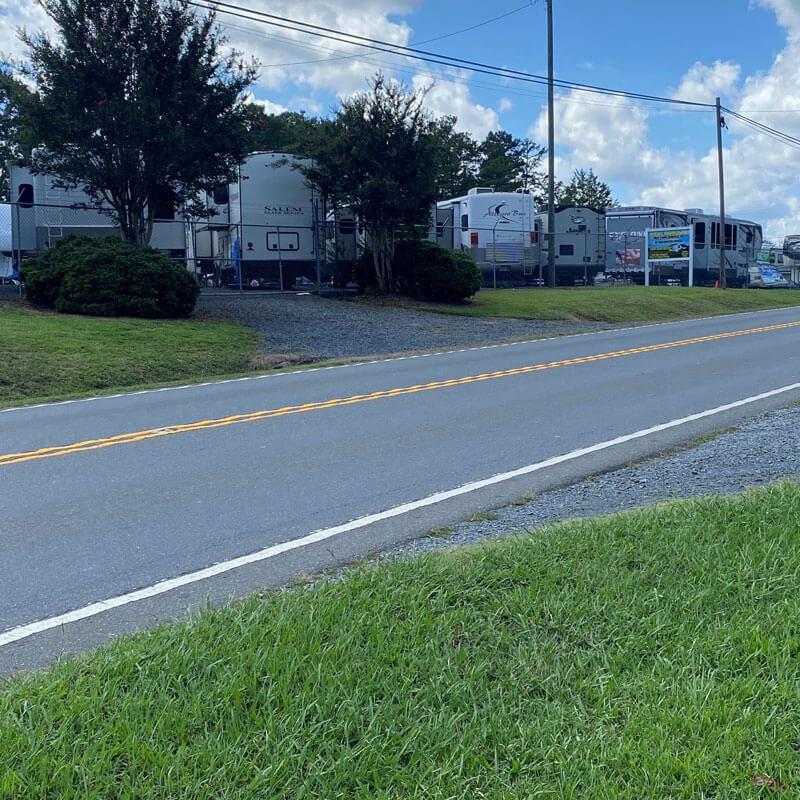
<point>551,156</point>
<point>720,123</point>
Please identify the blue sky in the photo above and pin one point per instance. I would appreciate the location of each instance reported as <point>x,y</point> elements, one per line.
<point>745,51</point>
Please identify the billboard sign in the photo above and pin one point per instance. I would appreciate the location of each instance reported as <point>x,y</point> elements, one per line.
<point>669,244</point>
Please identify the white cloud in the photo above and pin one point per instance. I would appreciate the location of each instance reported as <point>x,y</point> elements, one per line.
<point>701,84</point>
<point>28,15</point>
<point>614,138</point>
<point>451,98</point>
<point>608,136</point>
<point>268,106</point>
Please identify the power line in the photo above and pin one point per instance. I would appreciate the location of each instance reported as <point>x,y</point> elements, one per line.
<point>792,141</point>
<point>424,41</point>
<point>425,55</point>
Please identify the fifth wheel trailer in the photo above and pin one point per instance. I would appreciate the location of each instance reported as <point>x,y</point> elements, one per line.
<point>497,228</point>
<point>625,244</point>
<point>275,217</point>
<point>43,213</point>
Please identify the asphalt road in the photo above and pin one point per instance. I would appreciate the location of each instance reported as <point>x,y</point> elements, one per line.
<point>104,500</point>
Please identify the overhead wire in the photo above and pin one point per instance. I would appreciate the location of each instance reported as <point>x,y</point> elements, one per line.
<point>426,55</point>
<point>473,66</point>
<point>781,136</point>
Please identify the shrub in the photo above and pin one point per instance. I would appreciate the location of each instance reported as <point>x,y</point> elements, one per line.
<point>110,278</point>
<point>425,268</point>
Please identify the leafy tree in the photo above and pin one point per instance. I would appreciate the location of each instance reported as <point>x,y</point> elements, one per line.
<point>380,157</point>
<point>500,162</point>
<point>532,178</point>
<point>509,164</point>
<point>459,159</point>
<point>585,189</point>
<point>15,135</point>
<point>291,132</point>
<point>138,105</point>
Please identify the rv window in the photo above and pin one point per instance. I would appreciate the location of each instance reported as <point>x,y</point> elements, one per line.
<point>566,250</point>
<point>699,235</point>
<point>219,195</point>
<point>465,222</point>
<point>25,195</point>
<point>347,227</point>
<point>163,204</point>
<point>730,235</point>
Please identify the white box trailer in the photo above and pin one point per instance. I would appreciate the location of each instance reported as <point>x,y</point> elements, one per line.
<point>625,244</point>
<point>579,242</point>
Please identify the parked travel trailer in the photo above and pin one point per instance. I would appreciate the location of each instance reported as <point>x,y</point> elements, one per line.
<point>791,257</point>
<point>43,213</point>
<point>497,228</point>
<point>579,243</point>
<point>626,254</point>
<point>274,217</point>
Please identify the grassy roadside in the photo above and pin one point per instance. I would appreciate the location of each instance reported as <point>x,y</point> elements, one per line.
<point>53,356</point>
<point>620,303</point>
<point>648,654</point>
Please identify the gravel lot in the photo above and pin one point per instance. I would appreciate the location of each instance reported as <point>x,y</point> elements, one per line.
<point>323,328</point>
<point>762,450</point>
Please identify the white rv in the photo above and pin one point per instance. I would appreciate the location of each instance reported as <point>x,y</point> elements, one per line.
<point>625,244</point>
<point>275,217</point>
<point>497,228</point>
<point>43,213</point>
<point>791,257</point>
<point>579,242</point>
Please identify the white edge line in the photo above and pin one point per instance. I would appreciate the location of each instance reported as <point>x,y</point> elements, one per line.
<point>162,587</point>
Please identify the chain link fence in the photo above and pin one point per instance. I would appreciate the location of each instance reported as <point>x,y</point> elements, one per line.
<point>325,252</point>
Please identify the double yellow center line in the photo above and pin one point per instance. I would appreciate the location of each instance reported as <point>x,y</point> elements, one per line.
<point>155,433</point>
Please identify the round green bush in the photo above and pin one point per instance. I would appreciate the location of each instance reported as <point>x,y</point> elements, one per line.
<point>109,278</point>
<point>426,269</point>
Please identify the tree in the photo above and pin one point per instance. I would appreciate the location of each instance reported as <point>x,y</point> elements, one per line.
<point>459,159</point>
<point>532,178</point>
<point>509,164</point>
<point>585,189</point>
<point>500,163</point>
<point>15,136</point>
<point>290,132</point>
<point>379,158</point>
<point>138,105</point>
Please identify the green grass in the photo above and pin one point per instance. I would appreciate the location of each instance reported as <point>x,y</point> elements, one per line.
<point>652,654</point>
<point>620,303</point>
<point>54,356</point>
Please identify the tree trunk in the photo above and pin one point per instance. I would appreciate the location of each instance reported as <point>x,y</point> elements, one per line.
<point>382,254</point>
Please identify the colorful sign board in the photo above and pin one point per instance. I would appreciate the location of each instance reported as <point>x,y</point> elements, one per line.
<point>668,244</point>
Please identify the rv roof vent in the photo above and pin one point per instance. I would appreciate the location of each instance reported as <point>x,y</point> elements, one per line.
<point>695,211</point>
<point>481,190</point>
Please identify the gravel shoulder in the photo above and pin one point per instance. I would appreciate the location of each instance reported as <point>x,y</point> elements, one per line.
<point>757,452</point>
